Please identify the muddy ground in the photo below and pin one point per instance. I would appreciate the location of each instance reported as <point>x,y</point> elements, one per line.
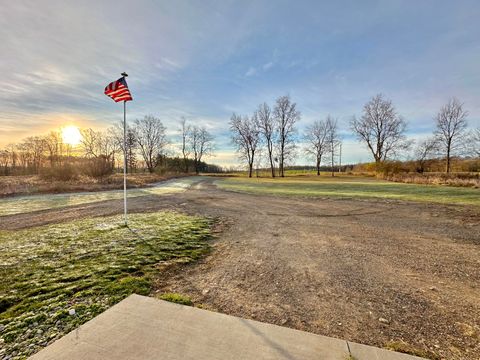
<point>376,272</point>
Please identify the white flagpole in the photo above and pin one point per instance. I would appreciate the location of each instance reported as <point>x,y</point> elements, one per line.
<point>125,161</point>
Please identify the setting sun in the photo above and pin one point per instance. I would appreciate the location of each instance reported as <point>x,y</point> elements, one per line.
<point>71,135</point>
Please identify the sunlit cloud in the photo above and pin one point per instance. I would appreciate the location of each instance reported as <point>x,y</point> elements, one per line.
<point>205,61</point>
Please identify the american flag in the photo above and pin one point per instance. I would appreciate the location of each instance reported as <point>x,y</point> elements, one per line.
<point>118,90</point>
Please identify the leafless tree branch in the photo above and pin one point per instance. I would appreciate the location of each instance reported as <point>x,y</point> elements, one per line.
<point>286,116</point>
<point>451,124</point>
<point>246,136</point>
<point>266,124</point>
<point>316,141</point>
<point>381,129</point>
<point>151,139</point>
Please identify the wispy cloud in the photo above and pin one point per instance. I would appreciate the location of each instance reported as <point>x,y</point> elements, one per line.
<point>267,65</point>
<point>205,61</point>
<point>251,71</point>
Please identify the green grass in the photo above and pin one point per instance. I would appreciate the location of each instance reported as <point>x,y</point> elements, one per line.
<point>29,203</point>
<point>352,187</point>
<point>86,265</point>
<point>177,298</point>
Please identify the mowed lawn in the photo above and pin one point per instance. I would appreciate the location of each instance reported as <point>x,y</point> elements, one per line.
<point>352,187</point>
<point>56,277</point>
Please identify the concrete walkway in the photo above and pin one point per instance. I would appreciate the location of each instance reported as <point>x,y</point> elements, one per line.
<point>140,327</point>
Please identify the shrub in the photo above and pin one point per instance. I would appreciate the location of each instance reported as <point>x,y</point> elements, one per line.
<point>63,173</point>
<point>98,167</point>
<point>387,168</point>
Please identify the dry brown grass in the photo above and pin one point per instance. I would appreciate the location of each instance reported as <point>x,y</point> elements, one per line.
<point>453,179</point>
<point>403,347</point>
<point>33,184</point>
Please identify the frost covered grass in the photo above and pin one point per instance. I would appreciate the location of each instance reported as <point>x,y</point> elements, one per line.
<point>56,277</point>
<point>29,203</point>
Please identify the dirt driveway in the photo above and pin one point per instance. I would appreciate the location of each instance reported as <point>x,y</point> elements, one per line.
<point>374,272</point>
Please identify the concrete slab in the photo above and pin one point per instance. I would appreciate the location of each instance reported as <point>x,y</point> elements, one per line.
<point>140,327</point>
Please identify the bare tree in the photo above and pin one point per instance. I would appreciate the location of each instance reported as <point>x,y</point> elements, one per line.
<point>201,143</point>
<point>130,144</point>
<point>97,144</point>
<point>426,150</point>
<point>286,115</point>
<point>90,142</point>
<point>100,147</point>
<point>381,128</point>
<point>451,124</point>
<point>259,157</point>
<point>246,136</point>
<point>316,139</point>
<point>476,142</point>
<point>34,148</point>
<point>333,140</point>
<point>12,150</point>
<point>151,140</point>
<point>54,146</point>
<point>186,134</point>
<point>23,155</point>
<point>4,162</point>
<point>266,125</point>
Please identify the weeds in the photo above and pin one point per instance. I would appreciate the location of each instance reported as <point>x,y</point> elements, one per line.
<point>177,298</point>
<point>405,348</point>
<point>457,179</point>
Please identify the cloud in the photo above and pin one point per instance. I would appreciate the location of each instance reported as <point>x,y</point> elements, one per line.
<point>267,65</point>
<point>254,71</point>
<point>251,71</point>
<point>186,59</point>
<point>167,64</point>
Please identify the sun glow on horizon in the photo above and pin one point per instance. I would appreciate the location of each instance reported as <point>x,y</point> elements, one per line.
<point>71,135</point>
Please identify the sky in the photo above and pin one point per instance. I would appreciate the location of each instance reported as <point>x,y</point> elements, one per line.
<point>205,60</point>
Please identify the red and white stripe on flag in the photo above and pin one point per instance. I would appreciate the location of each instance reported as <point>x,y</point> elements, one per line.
<point>118,90</point>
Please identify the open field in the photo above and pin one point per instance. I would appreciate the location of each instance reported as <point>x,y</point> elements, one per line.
<point>342,257</point>
<point>35,184</point>
<point>352,187</point>
<point>456,179</point>
<point>24,204</point>
<point>86,265</point>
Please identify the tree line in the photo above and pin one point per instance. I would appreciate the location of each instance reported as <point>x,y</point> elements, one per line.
<point>273,132</point>
<point>146,147</point>
<point>274,128</point>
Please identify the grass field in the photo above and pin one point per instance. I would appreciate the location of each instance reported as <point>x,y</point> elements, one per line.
<point>22,204</point>
<point>36,184</point>
<point>352,187</point>
<point>84,266</point>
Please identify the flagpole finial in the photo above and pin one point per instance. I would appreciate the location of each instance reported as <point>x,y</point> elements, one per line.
<point>124,74</point>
